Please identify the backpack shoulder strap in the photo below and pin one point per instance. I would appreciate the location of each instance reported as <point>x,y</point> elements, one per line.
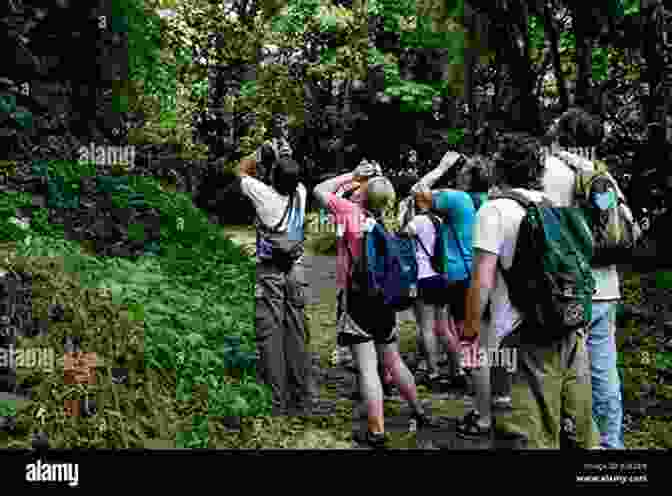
<point>477,200</point>
<point>290,204</point>
<point>584,179</point>
<point>524,202</point>
<point>436,223</point>
<point>364,233</point>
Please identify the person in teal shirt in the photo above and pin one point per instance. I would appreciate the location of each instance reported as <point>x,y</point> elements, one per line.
<point>469,181</point>
<point>458,213</point>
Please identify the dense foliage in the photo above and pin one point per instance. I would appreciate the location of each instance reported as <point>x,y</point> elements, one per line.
<point>206,82</point>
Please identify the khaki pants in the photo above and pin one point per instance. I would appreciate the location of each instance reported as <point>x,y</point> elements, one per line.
<point>284,361</point>
<point>551,397</point>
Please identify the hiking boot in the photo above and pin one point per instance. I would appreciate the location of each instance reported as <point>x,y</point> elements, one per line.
<point>420,421</point>
<point>371,440</point>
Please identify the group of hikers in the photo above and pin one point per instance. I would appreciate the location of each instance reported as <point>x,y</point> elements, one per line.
<point>515,251</point>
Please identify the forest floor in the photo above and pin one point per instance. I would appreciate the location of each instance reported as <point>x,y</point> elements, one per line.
<point>339,417</point>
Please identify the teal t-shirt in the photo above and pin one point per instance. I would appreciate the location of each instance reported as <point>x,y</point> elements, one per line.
<point>458,212</point>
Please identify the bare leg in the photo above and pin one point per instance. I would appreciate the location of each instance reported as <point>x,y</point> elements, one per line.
<point>370,385</point>
<point>401,376</point>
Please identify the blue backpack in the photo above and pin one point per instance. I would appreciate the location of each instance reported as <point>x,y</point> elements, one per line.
<point>387,270</point>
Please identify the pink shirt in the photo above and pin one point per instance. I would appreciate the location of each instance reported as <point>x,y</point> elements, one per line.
<point>349,218</point>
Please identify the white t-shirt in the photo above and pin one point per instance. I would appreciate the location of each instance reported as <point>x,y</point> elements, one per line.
<point>422,227</point>
<point>271,205</point>
<point>496,231</point>
<point>558,183</point>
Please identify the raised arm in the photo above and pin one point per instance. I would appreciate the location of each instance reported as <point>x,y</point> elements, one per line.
<point>429,179</point>
<point>321,191</point>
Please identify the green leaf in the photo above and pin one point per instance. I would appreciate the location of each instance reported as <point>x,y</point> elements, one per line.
<point>195,339</point>
<point>159,308</point>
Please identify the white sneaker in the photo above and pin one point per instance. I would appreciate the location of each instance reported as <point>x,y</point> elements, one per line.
<point>501,401</point>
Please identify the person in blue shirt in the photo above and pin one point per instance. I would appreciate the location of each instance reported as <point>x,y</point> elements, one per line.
<point>470,180</point>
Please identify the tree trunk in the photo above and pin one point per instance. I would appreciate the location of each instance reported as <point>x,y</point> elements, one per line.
<point>584,69</point>
<point>469,66</point>
<point>525,111</point>
<point>554,41</point>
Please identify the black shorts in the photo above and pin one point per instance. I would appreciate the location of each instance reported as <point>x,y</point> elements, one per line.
<point>371,316</point>
<point>437,290</point>
<point>457,294</point>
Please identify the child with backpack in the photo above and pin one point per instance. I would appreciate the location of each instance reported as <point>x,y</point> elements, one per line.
<point>469,180</point>
<point>434,288</point>
<point>368,261</point>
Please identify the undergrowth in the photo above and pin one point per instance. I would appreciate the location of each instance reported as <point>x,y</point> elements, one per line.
<point>181,322</point>
<point>646,369</point>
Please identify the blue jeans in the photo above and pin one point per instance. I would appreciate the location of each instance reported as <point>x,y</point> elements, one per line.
<point>606,384</point>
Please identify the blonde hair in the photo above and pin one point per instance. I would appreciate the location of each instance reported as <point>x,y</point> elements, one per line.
<point>380,195</point>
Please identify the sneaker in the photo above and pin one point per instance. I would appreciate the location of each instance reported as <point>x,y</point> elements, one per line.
<point>371,440</point>
<point>471,427</point>
<point>501,402</point>
<point>420,421</point>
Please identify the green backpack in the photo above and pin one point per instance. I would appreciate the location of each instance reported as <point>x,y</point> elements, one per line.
<point>615,231</point>
<point>550,281</point>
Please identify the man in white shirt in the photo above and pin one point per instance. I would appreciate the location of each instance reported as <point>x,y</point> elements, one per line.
<point>550,384</point>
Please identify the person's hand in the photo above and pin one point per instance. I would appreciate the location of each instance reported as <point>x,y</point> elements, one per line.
<point>247,167</point>
<point>366,170</point>
<point>423,199</point>
<point>468,334</point>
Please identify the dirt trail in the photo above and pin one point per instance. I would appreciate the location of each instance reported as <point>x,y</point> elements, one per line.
<point>337,384</point>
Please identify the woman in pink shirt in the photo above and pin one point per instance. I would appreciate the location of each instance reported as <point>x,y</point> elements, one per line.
<point>367,327</point>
